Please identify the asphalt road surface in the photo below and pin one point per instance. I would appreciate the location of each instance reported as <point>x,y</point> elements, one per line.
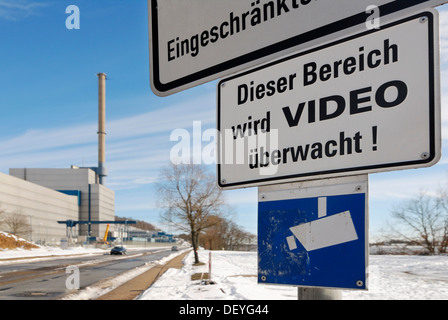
<point>46,280</point>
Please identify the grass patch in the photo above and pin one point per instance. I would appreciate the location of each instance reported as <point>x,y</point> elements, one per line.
<point>9,241</point>
<point>199,276</point>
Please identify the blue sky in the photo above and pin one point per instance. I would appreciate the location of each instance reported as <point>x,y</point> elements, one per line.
<point>48,106</point>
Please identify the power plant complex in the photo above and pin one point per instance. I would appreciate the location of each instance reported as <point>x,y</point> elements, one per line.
<point>48,197</point>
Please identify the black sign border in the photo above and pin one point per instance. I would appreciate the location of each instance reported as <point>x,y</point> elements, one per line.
<point>165,88</point>
<point>432,125</point>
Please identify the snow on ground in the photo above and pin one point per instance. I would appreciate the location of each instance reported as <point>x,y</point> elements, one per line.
<point>391,277</point>
<point>110,284</point>
<point>40,252</point>
<point>91,292</point>
<point>44,253</point>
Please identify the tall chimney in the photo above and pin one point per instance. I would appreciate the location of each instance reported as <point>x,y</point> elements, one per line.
<point>102,171</point>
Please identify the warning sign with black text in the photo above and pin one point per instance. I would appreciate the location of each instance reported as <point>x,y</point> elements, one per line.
<point>364,104</point>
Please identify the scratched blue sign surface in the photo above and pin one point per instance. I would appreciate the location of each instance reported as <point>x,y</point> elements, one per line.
<point>313,242</point>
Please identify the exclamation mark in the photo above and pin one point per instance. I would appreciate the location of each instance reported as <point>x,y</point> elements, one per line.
<point>374,137</point>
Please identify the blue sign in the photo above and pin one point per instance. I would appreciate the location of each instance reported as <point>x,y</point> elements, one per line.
<point>313,242</point>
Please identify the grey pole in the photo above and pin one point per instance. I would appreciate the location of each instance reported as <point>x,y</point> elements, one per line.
<point>102,171</point>
<point>318,294</point>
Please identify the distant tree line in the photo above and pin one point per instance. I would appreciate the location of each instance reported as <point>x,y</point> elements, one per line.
<point>423,220</point>
<point>224,234</point>
<point>143,225</point>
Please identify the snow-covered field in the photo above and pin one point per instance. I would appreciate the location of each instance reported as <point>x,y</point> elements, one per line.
<point>45,253</point>
<point>234,274</point>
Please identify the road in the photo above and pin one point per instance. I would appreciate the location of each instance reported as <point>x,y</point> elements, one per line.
<point>46,280</point>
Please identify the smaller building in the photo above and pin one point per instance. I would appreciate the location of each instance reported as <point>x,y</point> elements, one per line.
<point>149,235</point>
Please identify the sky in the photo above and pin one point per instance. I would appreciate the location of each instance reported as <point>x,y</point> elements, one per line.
<point>48,107</point>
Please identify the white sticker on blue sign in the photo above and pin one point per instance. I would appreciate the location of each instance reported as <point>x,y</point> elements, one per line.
<point>313,242</point>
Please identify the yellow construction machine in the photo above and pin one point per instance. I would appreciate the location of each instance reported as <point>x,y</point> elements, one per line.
<point>104,240</point>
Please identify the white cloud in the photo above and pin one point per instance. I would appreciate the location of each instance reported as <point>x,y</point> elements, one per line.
<point>136,146</point>
<point>443,17</point>
<point>18,10</point>
<point>393,186</point>
<point>443,23</point>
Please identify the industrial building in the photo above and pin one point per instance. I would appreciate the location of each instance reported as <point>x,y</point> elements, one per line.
<point>41,206</point>
<point>149,236</point>
<point>45,196</point>
<point>95,201</point>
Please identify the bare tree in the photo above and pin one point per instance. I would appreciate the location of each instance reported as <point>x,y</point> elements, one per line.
<point>2,216</point>
<point>214,237</point>
<point>226,234</point>
<point>238,239</point>
<point>443,204</point>
<point>425,221</point>
<point>190,196</point>
<point>16,223</point>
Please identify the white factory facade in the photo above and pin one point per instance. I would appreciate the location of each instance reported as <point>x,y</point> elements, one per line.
<point>45,196</point>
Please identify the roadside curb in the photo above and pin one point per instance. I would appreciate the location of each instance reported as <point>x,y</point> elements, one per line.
<point>133,288</point>
<point>48,257</point>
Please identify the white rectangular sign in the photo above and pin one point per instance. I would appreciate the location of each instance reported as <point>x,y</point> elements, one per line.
<point>195,41</point>
<point>367,103</point>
